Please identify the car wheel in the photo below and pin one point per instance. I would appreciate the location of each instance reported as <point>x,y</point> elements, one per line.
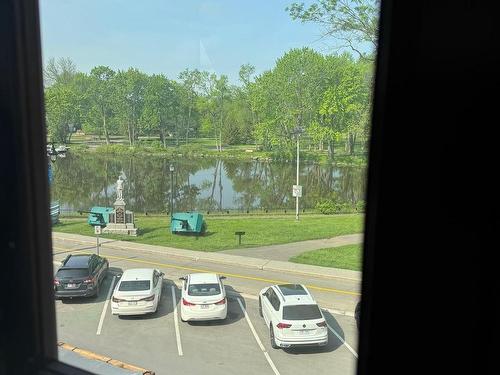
<point>271,335</point>
<point>260,308</point>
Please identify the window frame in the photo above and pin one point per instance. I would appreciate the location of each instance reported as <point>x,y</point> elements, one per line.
<point>27,237</point>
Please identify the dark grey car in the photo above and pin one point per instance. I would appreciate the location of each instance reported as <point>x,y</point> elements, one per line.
<point>80,275</point>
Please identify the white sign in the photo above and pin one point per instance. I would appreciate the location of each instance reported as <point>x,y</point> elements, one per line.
<point>97,229</point>
<point>297,191</point>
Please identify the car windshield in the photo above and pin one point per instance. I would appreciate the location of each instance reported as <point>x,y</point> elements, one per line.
<point>204,289</point>
<point>72,272</point>
<point>301,312</point>
<point>134,285</point>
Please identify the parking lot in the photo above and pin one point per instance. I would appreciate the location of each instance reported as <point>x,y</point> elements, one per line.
<point>161,342</point>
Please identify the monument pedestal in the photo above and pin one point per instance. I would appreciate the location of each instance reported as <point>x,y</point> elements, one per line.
<point>121,221</point>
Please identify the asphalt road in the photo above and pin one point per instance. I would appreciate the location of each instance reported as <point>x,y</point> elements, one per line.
<point>161,342</point>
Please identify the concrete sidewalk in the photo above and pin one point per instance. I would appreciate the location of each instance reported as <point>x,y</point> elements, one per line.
<point>284,252</point>
<point>217,257</point>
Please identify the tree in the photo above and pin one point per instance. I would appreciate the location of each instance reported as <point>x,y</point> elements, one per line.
<point>214,104</point>
<point>61,71</point>
<point>159,106</point>
<point>101,95</point>
<point>66,107</point>
<point>288,97</point>
<point>129,87</point>
<point>344,104</point>
<point>191,81</point>
<point>354,22</point>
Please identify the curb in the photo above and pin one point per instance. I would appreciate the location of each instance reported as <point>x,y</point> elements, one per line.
<point>98,357</point>
<point>247,262</point>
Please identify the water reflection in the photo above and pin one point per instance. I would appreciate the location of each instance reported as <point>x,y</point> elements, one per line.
<point>82,181</point>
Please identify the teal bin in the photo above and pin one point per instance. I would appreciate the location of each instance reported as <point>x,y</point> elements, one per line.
<point>99,216</point>
<point>187,222</point>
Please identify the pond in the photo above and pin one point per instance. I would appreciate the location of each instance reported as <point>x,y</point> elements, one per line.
<point>81,181</point>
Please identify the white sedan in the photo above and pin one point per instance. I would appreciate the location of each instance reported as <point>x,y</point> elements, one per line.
<point>137,292</point>
<point>203,297</point>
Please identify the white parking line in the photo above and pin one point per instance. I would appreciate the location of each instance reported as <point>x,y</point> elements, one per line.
<point>176,322</point>
<point>103,314</point>
<point>343,341</point>
<point>266,354</point>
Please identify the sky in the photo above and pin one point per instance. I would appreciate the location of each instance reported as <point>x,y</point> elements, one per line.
<point>166,36</point>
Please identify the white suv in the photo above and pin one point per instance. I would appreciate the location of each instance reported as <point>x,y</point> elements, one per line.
<point>293,316</point>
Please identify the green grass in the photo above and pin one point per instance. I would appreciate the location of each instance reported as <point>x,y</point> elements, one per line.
<point>260,231</point>
<point>346,257</point>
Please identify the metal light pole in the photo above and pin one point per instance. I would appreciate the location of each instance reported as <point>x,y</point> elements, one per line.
<point>298,191</point>
<point>297,196</point>
<point>171,189</point>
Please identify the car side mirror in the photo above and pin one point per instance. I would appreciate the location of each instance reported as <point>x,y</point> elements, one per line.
<point>162,274</point>
<point>118,275</point>
<point>222,277</point>
<point>182,278</point>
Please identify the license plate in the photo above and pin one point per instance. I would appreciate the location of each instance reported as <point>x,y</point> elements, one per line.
<point>132,303</point>
<point>304,332</point>
<point>70,285</point>
<point>204,306</point>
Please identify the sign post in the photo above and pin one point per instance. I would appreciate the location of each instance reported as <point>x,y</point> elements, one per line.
<point>97,231</point>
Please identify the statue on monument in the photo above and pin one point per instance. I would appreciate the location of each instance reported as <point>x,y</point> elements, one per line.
<point>119,188</point>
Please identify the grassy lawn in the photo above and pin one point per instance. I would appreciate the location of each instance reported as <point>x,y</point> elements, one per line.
<point>265,230</point>
<point>346,257</point>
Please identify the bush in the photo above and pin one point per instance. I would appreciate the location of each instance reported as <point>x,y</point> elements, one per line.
<point>328,206</point>
<point>360,206</point>
<point>332,206</point>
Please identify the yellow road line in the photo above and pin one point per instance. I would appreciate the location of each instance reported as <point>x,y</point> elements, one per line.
<point>109,245</point>
<point>324,289</point>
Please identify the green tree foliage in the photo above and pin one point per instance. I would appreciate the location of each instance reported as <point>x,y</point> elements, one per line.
<point>128,97</point>
<point>191,81</point>
<point>61,71</point>
<point>101,98</point>
<point>327,96</point>
<point>159,107</point>
<point>354,22</point>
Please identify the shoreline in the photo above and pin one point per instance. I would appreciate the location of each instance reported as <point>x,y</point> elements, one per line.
<point>307,157</point>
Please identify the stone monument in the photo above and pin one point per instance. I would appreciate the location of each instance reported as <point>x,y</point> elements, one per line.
<point>121,221</point>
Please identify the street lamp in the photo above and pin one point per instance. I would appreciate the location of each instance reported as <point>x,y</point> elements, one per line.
<point>52,153</point>
<point>171,189</point>
<point>297,189</point>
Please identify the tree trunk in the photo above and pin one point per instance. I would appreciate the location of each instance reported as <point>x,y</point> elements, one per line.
<point>188,124</point>
<point>163,138</point>
<point>105,127</point>
<point>331,150</point>
<point>129,133</point>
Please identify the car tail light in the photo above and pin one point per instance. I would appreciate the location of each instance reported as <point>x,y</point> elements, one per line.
<point>283,325</point>
<point>150,298</point>
<point>186,303</point>
<point>221,302</point>
<point>56,282</point>
<point>321,324</point>
<point>114,299</point>
<point>89,280</point>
